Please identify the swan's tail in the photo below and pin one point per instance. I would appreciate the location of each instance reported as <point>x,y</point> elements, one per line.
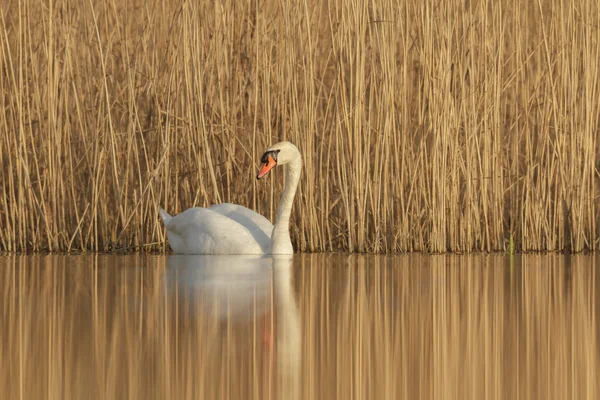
<point>165,216</point>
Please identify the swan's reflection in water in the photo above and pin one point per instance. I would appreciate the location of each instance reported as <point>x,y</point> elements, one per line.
<point>289,332</point>
<point>241,290</point>
<point>230,288</point>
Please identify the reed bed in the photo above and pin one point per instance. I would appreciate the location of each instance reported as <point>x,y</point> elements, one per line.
<point>424,125</point>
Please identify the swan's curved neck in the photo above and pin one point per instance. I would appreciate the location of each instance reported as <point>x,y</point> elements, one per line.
<point>280,238</point>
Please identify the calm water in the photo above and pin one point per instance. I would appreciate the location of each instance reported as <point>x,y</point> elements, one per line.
<point>307,327</point>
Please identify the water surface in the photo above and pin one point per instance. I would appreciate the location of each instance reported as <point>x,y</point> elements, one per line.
<point>307,327</point>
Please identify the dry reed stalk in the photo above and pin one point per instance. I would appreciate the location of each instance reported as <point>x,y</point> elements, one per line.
<point>424,126</point>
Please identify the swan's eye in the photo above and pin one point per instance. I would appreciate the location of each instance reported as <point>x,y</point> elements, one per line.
<point>273,154</point>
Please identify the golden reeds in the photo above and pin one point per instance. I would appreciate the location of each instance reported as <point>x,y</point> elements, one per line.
<point>424,125</point>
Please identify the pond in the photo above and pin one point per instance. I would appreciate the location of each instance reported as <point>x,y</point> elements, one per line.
<point>302,327</point>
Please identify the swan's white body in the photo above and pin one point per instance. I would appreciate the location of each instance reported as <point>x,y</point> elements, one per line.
<point>221,229</point>
<point>233,229</point>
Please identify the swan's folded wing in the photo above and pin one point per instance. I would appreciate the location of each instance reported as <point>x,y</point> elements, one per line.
<point>205,231</point>
<point>252,220</point>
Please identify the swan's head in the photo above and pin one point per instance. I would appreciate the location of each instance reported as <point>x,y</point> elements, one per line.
<point>279,154</point>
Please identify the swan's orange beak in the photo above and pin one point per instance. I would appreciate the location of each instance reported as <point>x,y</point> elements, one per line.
<point>267,167</point>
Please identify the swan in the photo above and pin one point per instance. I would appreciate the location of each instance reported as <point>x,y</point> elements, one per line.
<point>232,229</point>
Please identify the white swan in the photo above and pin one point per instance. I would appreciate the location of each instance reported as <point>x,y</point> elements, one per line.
<point>232,229</point>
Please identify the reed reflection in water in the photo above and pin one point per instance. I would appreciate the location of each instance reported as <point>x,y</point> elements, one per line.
<point>315,326</point>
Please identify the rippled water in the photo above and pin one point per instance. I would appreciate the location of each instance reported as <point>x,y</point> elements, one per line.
<point>315,326</point>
